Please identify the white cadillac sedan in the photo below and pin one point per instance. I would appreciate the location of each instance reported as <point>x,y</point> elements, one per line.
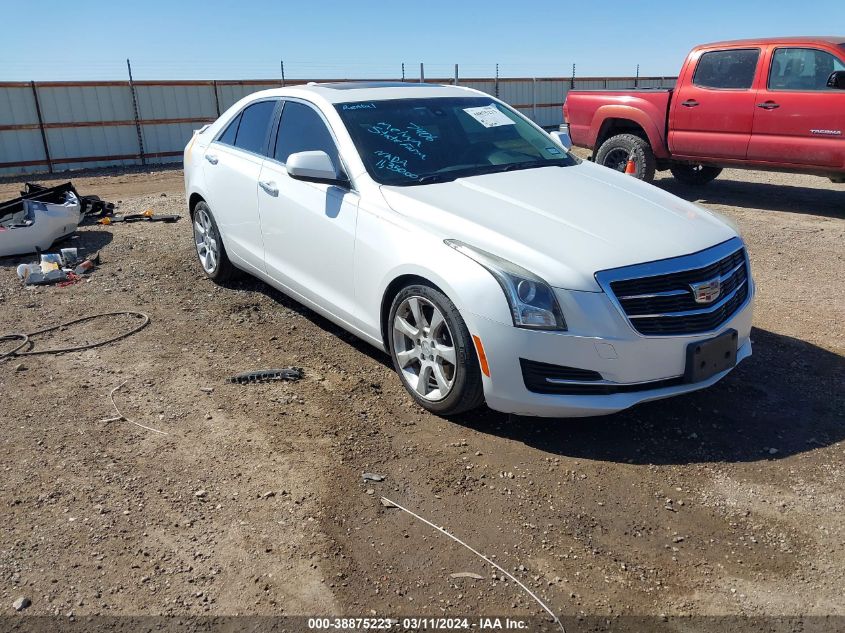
<point>442,226</point>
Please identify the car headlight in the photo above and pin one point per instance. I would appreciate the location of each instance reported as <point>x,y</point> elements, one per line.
<point>532,301</point>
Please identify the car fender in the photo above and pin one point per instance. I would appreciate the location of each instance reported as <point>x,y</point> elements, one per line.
<point>643,113</point>
<point>390,249</point>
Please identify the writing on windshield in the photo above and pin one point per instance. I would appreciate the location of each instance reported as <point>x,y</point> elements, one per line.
<point>418,141</point>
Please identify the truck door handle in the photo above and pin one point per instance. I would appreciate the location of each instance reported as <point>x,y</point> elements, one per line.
<point>269,186</point>
<point>211,158</point>
<point>689,103</point>
<point>768,105</point>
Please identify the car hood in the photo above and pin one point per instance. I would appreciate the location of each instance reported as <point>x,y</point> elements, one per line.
<point>562,223</point>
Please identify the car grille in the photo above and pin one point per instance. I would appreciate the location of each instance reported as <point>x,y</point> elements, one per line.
<point>664,304</point>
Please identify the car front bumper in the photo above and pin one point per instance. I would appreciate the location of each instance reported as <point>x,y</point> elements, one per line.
<point>623,357</point>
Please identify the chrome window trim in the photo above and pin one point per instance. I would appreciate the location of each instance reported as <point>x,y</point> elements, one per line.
<point>700,259</point>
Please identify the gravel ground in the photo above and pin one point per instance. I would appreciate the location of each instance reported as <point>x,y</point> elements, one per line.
<point>727,501</point>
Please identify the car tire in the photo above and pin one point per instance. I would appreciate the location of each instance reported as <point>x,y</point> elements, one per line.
<point>615,152</point>
<point>445,344</point>
<point>209,245</point>
<point>695,175</point>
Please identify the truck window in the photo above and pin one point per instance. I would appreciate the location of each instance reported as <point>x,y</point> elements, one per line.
<point>731,70</point>
<point>802,69</point>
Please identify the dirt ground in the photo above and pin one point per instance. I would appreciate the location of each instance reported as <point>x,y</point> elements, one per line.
<point>727,501</point>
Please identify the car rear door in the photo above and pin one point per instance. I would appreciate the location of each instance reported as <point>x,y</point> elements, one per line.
<point>798,119</point>
<point>713,108</point>
<point>308,228</point>
<point>232,165</point>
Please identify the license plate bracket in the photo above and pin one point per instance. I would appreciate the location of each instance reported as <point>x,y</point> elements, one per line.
<point>710,357</point>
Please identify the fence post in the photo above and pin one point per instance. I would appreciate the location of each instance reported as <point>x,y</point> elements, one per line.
<point>216,97</point>
<point>456,74</point>
<point>41,126</point>
<point>496,91</point>
<point>282,63</point>
<point>572,81</point>
<point>422,73</point>
<point>637,78</point>
<point>135,108</point>
<point>403,71</point>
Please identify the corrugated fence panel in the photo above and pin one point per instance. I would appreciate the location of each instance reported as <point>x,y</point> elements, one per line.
<point>115,144</point>
<point>17,106</point>
<point>85,103</point>
<point>92,124</point>
<point>169,138</point>
<point>21,146</point>
<point>231,92</point>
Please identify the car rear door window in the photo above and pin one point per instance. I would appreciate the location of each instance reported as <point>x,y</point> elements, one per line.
<point>302,130</point>
<point>252,131</point>
<point>727,70</point>
<point>802,69</point>
<point>228,136</point>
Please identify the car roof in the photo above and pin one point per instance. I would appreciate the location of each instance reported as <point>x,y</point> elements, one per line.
<point>351,91</point>
<point>763,41</point>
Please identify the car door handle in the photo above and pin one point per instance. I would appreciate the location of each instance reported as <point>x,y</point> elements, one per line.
<point>689,103</point>
<point>269,186</point>
<point>211,158</point>
<point>768,105</point>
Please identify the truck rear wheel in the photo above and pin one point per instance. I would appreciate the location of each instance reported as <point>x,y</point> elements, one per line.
<point>694,174</point>
<point>617,150</point>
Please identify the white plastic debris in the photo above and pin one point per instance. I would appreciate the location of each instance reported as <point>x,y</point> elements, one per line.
<point>38,225</point>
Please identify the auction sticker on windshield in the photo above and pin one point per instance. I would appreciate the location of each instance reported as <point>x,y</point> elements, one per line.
<point>489,116</point>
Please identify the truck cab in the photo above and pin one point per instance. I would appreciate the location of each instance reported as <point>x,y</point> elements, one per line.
<point>774,104</point>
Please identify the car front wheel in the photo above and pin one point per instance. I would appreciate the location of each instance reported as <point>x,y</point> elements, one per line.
<point>432,351</point>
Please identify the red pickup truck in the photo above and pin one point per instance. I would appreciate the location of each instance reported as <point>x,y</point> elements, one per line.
<point>772,104</point>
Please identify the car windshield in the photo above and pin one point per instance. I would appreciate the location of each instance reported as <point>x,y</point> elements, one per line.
<point>421,141</point>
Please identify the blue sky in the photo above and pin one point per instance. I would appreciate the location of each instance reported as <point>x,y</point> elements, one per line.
<point>191,39</point>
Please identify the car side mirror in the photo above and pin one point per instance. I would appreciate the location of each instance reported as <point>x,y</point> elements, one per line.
<point>562,137</point>
<point>315,166</point>
<point>836,80</point>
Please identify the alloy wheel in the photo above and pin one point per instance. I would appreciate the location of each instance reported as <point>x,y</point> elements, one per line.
<point>206,240</point>
<point>424,348</point>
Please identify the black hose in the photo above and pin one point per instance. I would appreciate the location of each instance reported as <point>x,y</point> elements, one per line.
<point>26,339</point>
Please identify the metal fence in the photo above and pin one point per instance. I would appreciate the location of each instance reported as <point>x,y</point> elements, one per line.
<point>56,126</point>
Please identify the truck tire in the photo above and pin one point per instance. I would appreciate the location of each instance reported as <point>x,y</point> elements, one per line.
<point>616,151</point>
<point>696,175</point>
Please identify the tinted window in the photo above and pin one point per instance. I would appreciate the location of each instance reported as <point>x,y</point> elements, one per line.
<point>802,69</point>
<point>727,69</point>
<point>253,128</point>
<point>303,130</point>
<point>228,136</point>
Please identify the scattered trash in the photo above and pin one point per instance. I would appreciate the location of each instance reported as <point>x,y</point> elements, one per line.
<point>467,574</point>
<point>25,339</point>
<point>207,389</point>
<point>21,603</point>
<point>388,503</point>
<point>266,375</point>
<point>372,477</point>
<point>120,416</point>
<point>199,494</point>
<point>147,216</point>
<point>63,268</point>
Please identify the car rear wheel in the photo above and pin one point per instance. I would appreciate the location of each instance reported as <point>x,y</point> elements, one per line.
<point>694,174</point>
<point>432,351</point>
<point>617,150</point>
<point>209,245</point>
